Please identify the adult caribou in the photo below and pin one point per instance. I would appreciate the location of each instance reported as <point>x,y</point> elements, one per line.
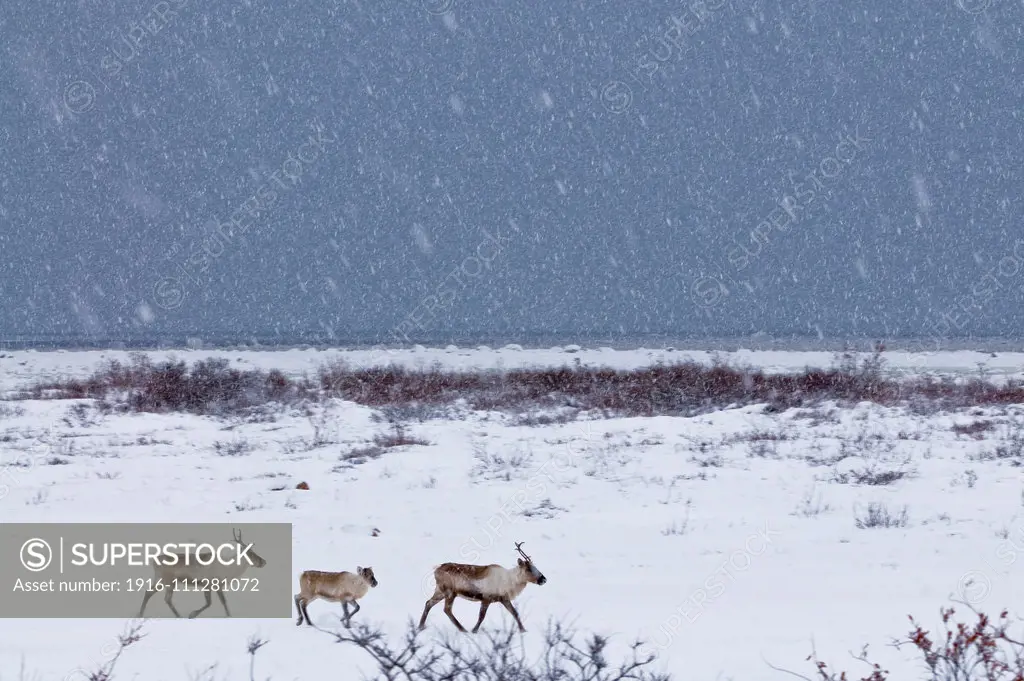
<point>483,584</point>
<point>190,575</point>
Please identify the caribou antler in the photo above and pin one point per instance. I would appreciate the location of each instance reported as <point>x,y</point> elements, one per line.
<point>521,552</point>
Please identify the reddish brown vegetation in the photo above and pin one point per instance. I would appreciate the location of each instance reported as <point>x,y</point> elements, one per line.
<point>660,389</point>
<point>983,651</point>
<point>212,386</point>
<point>209,386</point>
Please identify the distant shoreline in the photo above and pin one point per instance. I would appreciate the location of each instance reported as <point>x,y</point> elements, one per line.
<point>754,342</point>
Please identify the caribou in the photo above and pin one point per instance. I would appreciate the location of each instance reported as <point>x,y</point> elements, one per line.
<point>484,584</point>
<point>333,587</point>
<point>190,575</point>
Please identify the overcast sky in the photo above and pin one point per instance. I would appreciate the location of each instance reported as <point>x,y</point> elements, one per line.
<point>446,170</point>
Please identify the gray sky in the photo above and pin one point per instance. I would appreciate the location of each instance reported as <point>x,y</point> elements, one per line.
<point>441,171</point>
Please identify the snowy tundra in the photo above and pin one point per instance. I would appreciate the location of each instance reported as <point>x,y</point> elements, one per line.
<point>728,541</point>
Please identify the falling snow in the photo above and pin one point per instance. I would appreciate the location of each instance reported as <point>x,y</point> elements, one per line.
<point>210,170</point>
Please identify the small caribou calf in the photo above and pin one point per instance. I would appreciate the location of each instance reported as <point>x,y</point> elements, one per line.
<point>484,584</point>
<point>334,587</point>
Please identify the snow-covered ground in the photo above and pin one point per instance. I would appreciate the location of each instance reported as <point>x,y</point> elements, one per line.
<point>727,540</point>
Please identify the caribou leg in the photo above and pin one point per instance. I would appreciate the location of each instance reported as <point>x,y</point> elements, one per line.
<point>220,595</point>
<point>431,602</point>
<point>484,604</point>
<point>451,615</point>
<point>209,599</point>
<point>145,599</point>
<point>167,600</point>
<point>512,609</point>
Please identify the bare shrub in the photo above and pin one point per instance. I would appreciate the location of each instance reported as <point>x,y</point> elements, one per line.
<point>871,475</point>
<point>322,432</point>
<point>818,415</point>
<point>398,437</point>
<point>1010,448</point>
<point>544,509</point>
<point>252,647</point>
<point>105,672</point>
<point>763,449</point>
<point>765,435</point>
<point>878,515</point>
<point>498,466</point>
<point>210,386</point>
<point>877,445</point>
<point>712,461</point>
<point>496,656</point>
<point>817,461</point>
<point>359,455</point>
<point>546,418</point>
<point>8,411</point>
<point>962,651</point>
<point>813,504</point>
<point>82,415</point>
<point>973,429</point>
<point>237,447</point>
<point>416,411</point>
<point>676,528</point>
<point>680,527</point>
<point>132,635</point>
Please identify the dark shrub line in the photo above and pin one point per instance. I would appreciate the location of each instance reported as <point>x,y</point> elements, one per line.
<point>211,386</point>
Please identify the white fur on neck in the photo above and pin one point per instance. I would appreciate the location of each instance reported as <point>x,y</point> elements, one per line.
<point>501,581</point>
